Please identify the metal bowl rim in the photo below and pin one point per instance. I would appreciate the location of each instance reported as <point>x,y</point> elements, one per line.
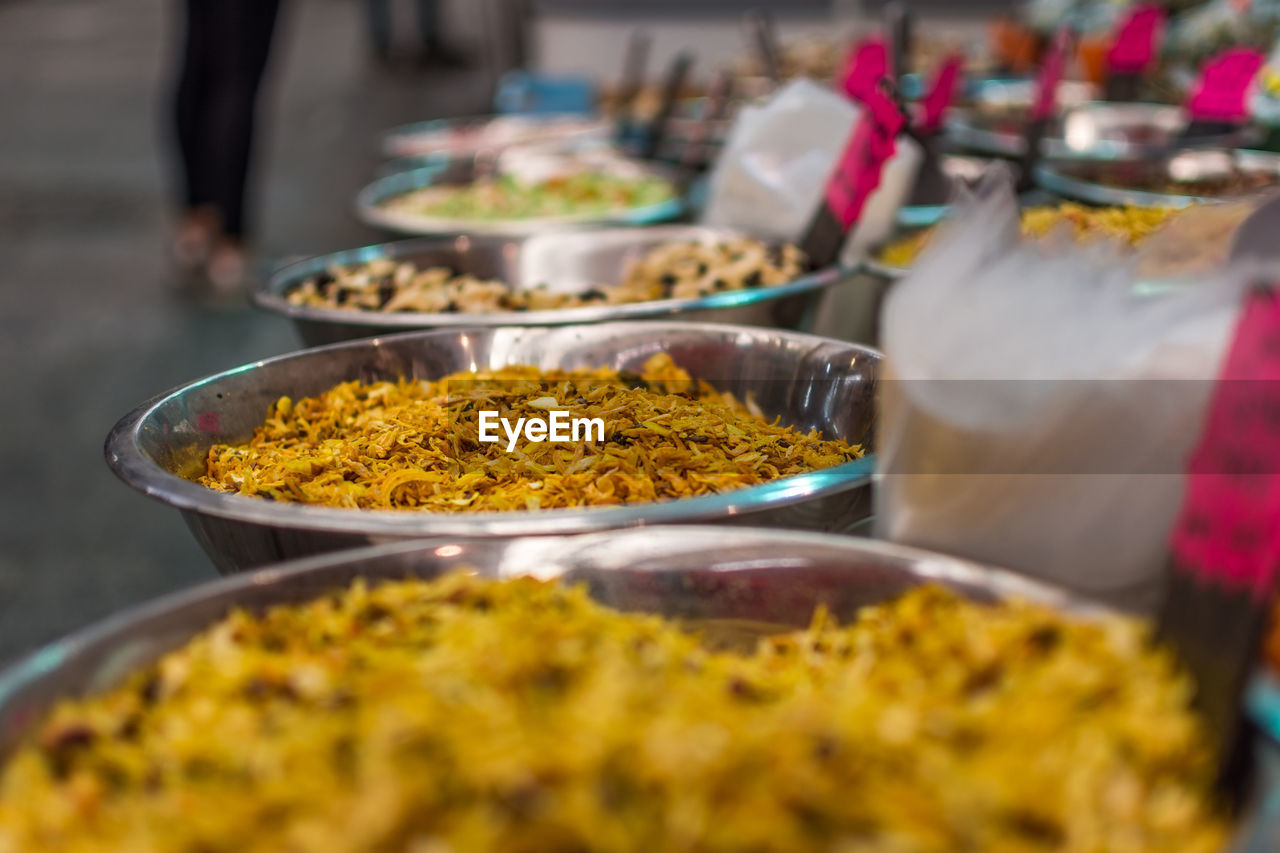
<point>876,267</point>
<point>369,210</point>
<point>929,565</point>
<point>270,294</point>
<point>961,130</point>
<point>1052,178</point>
<point>1262,701</point>
<point>45,661</point>
<point>127,460</point>
<point>400,132</point>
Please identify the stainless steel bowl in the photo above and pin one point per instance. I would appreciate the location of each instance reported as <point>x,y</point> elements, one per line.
<point>769,576</point>
<point>371,210</point>
<point>810,382</point>
<point>1116,183</point>
<point>851,312</point>
<point>459,137</point>
<point>999,92</point>
<point>696,574</point>
<point>1094,131</point>
<point>568,261</point>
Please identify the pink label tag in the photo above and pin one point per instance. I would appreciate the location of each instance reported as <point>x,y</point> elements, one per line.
<point>1052,69</point>
<point>941,94</point>
<point>1136,39</point>
<point>1219,93</point>
<point>868,64</point>
<point>870,146</point>
<point>1229,527</point>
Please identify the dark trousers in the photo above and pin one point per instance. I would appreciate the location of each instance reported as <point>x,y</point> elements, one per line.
<point>225,49</point>
<point>428,24</point>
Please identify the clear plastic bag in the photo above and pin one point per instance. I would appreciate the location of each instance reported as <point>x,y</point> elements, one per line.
<point>1040,398</point>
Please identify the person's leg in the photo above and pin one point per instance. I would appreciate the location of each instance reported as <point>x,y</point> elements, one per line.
<point>432,46</point>
<point>429,25</point>
<point>379,15</point>
<point>197,223</point>
<point>243,35</point>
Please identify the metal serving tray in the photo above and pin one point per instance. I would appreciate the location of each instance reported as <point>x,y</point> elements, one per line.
<point>689,573</point>
<point>810,382</point>
<point>1118,183</point>
<point>369,201</point>
<point>569,261</point>
<point>1095,131</point>
<point>463,137</point>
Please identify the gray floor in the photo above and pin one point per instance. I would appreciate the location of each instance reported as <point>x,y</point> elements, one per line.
<point>92,322</point>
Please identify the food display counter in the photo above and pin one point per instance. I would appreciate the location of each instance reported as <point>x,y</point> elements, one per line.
<point>592,515</point>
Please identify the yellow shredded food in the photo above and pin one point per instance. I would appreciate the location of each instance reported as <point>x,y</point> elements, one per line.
<point>1130,225</point>
<point>415,444</point>
<point>472,715</point>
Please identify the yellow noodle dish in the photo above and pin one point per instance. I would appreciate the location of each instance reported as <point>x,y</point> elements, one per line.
<point>464,714</point>
<point>1130,225</point>
<point>430,445</point>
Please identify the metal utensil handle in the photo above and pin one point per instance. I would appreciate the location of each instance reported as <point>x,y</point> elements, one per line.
<point>1044,103</point>
<point>938,99</point>
<point>676,75</point>
<point>857,174</point>
<point>634,62</point>
<point>766,43</point>
<point>901,29</point>
<point>715,108</point>
<point>1132,51</point>
<point>1225,547</point>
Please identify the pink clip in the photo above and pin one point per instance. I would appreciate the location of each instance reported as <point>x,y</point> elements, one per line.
<point>1227,529</point>
<point>1219,93</point>
<point>1136,39</point>
<point>1051,73</point>
<point>870,146</point>
<point>868,63</point>
<point>941,94</point>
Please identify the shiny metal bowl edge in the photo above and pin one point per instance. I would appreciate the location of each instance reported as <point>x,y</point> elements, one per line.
<point>694,572</point>
<point>370,210</point>
<point>698,575</point>
<point>581,259</point>
<point>810,382</point>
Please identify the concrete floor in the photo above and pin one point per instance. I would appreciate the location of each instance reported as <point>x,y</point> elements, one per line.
<point>92,322</point>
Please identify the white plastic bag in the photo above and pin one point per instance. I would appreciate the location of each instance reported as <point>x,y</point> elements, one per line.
<point>774,169</point>
<point>1039,403</point>
<point>776,161</point>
